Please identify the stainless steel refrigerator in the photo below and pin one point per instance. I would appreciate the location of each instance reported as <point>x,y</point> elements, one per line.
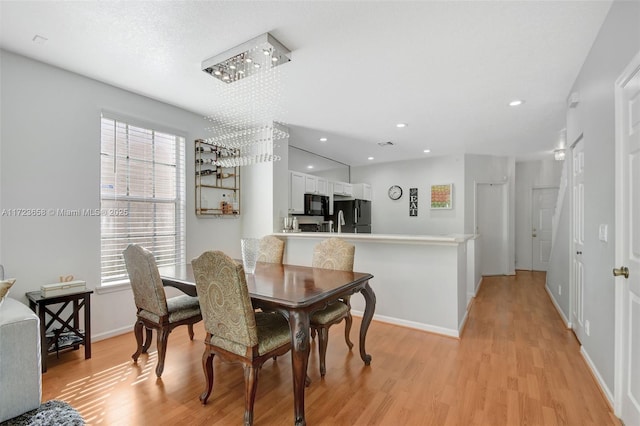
<point>357,216</point>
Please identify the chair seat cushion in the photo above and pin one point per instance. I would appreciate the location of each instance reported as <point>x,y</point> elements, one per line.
<point>179,307</point>
<point>273,332</point>
<point>329,314</point>
<point>182,307</point>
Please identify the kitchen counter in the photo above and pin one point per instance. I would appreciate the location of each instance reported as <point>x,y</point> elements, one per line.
<point>399,238</point>
<point>421,281</point>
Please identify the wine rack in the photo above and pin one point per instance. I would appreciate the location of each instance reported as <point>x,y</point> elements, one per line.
<point>217,186</point>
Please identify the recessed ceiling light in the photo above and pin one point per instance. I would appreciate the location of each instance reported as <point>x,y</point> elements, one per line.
<point>248,60</point>
<point>401,125</point>
<point>274,59</point>
<point>369,158</point>
<point>516,102</point>
<point>323,139</point>
<point>426,151</point>
<point>309,166</point>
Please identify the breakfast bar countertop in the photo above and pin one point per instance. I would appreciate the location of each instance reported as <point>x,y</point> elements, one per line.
<point>390,238</point>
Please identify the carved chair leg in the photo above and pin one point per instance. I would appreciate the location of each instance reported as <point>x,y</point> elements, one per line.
<point>207,367</point>
<point>163,336</point>
<point>190,327</point>
<point>137,331</point>
<point>147,340</point>
<point>251,385</point>
<point>323,341</point>
<point>347,330</point>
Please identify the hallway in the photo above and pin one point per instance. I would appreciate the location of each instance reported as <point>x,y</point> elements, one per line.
<point>525,360</point>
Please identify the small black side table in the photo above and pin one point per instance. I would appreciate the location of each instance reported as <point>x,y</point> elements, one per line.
<point>68,334</point>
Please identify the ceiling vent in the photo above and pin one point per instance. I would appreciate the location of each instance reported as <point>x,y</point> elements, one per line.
<point>387,143</point>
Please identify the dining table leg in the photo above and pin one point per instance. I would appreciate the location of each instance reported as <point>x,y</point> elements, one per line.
<point>299,325</point>
<point>369,309</point>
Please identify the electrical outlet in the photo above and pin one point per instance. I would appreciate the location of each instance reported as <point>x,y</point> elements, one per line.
<point>559,290</point>
<point>586,328</point>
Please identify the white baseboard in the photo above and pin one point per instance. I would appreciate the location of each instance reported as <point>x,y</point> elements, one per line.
<point>566,321</point>
<point>605,390</point>
<point>412,324</point>
<point>111,333</point>
<point>463,322</point>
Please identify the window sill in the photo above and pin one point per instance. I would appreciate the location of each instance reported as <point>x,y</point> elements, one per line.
<point>113,288</point>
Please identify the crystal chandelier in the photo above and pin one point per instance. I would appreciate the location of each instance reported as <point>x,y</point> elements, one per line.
<point>246,125</point>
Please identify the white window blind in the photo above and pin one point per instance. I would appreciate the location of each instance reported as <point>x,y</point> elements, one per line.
<point>142,196</point>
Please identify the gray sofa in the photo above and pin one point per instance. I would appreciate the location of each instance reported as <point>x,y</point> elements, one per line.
<point>20,363</point>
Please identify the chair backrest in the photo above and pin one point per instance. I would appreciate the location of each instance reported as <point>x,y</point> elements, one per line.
<point>271,249</point>
<point>334,253</point>
<point>146,283</point>
<point>224,298</point>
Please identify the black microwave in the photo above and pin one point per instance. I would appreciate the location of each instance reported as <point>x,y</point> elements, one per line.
<point>316,205</point>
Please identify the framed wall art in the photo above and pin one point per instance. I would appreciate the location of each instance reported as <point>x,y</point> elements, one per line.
<point>442,196</point>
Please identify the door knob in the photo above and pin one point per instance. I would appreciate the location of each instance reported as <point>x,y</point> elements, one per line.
<point>534,235</point>
<point>623,270</point>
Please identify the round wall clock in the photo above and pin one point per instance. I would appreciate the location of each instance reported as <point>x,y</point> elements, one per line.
<point>395,192</point>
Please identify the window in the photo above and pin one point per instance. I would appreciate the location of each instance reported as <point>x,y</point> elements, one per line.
<point>142,195</point>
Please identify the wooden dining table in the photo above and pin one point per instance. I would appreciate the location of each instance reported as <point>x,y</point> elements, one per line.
<point>296,292</point>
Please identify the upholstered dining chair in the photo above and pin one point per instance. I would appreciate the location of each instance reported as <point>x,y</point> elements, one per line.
<point>235,332</point>
<point>332,253</point>
<point>271,249</point>
<point>155,311</point>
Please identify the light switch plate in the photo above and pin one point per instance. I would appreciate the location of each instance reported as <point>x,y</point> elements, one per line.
<point>603,233</point>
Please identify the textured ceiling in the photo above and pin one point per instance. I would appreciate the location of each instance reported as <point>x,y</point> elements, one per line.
<point>448,69</point>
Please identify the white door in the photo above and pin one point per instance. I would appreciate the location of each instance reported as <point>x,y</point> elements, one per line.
<point>491,224</point>
<point>542,207</point>
<point>627,391</point>
<point>577,273</point>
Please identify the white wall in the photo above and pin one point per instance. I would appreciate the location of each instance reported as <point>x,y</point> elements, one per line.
<point>530,175</point>
<point>617,42</point>
<point>50,158</point>
<point>392,217</point>
<point>417,284</point>
<point>490,169</point>
<point>558,273</point>
<point>281,186</point>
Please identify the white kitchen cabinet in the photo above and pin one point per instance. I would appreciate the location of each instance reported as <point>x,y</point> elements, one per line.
<point>343,188</point>
<point>322,185</point>
<point>362,191</point>
<point>315,185</point>
<point>338,188</point>
<point>310,183</point>
<point>296,192</point>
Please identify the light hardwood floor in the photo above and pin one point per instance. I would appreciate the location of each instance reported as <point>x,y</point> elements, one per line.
<point>515,364</point>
